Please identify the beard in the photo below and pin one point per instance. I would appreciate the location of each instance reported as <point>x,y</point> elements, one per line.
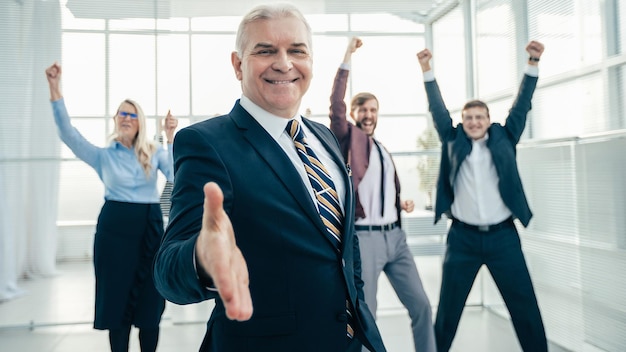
<point>360,126</point>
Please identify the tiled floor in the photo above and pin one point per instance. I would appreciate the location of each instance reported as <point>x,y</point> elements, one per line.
<point>55,315</point>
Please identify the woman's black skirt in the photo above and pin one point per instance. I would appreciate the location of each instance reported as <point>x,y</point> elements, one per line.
<point>127,239</point>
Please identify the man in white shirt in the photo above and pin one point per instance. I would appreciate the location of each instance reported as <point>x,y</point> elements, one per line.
<point>378,206</point>
<point>480,189</point>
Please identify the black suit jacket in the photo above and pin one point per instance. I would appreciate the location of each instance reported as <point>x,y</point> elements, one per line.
<point>298,281</point>
<point>502,143</point>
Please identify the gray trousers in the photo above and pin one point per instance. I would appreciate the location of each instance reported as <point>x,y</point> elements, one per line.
<point>388,252</point>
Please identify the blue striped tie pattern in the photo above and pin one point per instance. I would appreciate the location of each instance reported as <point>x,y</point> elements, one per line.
<point>325,192</point>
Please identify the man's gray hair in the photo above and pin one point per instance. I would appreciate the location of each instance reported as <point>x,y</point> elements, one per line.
<point>269,12</point>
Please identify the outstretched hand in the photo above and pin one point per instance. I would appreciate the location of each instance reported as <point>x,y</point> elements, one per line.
<point>424,57</point>
<point>220,257</point>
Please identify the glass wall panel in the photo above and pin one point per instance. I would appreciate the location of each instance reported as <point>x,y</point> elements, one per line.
<point>130,24</point>
<point>71,22</point>
<point>214,86</point>
<point>569,109</point>
<point>620,18</point>
<point>132,59</point>
<point>571,31</point>
<point>84,73</point>
<point>384,23</point>
<point>321,23</point>
<point>81,193</point>
<point>617,101</point>
<point>173,24</point>
<point>173,74</point>
<point>328,52</point>
<point>388,68</point>
<point>496,47</point>
<point>216,24</point>
<point>449,57</point>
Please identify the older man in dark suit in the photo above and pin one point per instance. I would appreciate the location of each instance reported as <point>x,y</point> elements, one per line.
<point>480,189</point>
<point>272,239</point>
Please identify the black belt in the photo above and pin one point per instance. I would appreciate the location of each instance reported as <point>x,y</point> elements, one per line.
<point>387,227</point>
<point>485,228</point>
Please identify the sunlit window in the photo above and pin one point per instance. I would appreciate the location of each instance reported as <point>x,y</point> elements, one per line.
<point>183,64</point>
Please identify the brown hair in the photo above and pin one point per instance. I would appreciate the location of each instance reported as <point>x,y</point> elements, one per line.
<point>360,99</point>
<point>476,104</point>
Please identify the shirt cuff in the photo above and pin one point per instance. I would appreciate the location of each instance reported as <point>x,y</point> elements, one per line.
<point>532,70</point>
<point>429,76</point>
<point>344,66</point>
<point>200,272</point>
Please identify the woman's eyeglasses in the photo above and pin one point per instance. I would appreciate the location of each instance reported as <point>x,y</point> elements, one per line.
<point>124,114</point>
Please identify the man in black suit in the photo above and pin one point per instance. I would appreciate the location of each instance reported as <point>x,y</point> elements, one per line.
<point>284,277</point>
<point>480,189</point>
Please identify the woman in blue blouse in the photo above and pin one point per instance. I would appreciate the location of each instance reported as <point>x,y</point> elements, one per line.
<point>130,224</point>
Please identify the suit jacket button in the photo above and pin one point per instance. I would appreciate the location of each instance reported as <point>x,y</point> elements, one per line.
<point>343,262</point>
<point>342,317</point>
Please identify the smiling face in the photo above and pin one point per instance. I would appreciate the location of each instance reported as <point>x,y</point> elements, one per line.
<point>476,121</point>
<point>127,126</point>
<point>275,64</point>
<point>364,112</point>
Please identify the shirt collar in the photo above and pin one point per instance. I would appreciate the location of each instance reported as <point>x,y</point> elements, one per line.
<point>274,125</point>
<point>482,141</point>
<point>115,144</point>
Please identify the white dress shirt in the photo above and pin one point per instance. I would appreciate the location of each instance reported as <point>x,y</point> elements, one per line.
<point>477,199</point>
<point>275,126</point>
<point>370,194</point>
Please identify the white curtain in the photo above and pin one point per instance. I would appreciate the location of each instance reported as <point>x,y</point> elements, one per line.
<point>30,35</point>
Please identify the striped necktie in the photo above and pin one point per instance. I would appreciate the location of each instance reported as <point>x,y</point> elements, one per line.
<point>325,192</point>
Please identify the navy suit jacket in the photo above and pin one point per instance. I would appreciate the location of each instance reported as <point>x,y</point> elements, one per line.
<point>299,282</point>
<point>502,142</point>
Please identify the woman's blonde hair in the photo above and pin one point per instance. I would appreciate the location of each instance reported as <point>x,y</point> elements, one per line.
<point>144,147</point>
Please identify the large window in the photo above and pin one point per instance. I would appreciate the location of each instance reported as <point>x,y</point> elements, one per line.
<point>183,64</point>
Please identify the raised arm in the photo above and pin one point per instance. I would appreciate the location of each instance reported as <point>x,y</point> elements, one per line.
<point>80,146</point>
<point>166,162</point>
<point>436,106</point>
<point>338,109</point>
<point>169,126</point>
<point>354,44</point>
<point>53,74</point>
<point>535,50</point>
<point>516,121</point>
<point>424,57</point>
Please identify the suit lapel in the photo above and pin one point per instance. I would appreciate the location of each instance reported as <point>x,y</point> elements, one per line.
<point>459,148</point>
<point>276,160</point>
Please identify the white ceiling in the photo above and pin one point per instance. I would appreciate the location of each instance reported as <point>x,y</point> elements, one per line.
<point>416,10</point>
